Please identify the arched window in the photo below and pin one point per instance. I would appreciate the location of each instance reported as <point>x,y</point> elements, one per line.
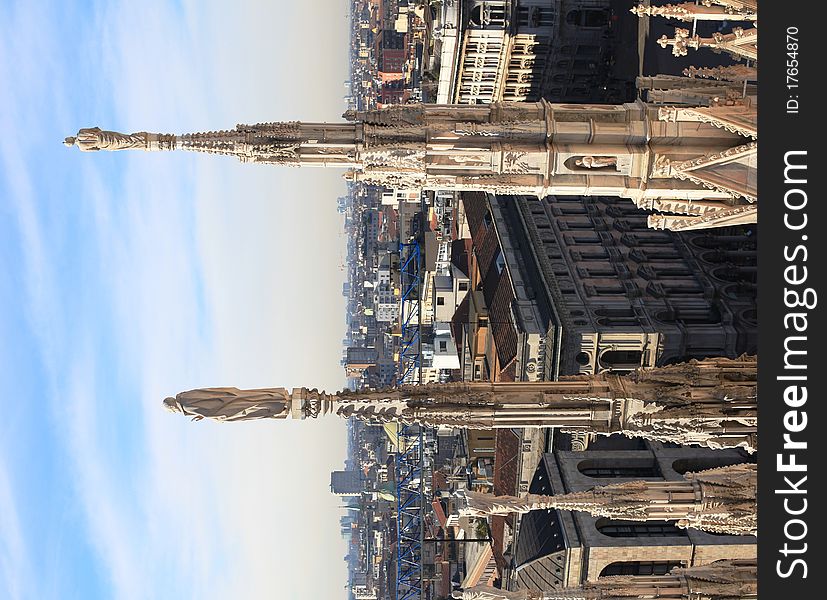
<point>637,567</point>
<point>629,529</point>
<point>476,17</point>
<point>620,360</point>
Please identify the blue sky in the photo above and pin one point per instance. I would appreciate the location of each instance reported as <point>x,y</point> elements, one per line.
<point>127,277</point>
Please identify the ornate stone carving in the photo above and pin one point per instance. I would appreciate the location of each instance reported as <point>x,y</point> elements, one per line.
<point>689,11</point>
<point>736,215</point>
<point>690,169</point>
<point>719,580</point>
<point>719,500</point>
<point>728,73</point>
<point>513,164</point>
<point>740,43</point>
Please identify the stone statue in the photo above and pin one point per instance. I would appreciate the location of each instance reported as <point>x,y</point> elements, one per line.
<point>711,403</point>
<point>231,404</point>
<point>596,162</point>
<point>93,139</point>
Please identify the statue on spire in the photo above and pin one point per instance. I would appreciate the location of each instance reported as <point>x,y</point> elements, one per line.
<point>711,402</point>
<point>93,139</point>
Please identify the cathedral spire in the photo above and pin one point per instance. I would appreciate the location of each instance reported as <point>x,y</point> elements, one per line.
<point>711,403</point>
<point>534,148</point>
<point>721,500</point>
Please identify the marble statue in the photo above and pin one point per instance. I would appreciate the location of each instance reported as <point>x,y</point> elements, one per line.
<point>596,162</point>
<point>231,404</point>
<point>92,139</point>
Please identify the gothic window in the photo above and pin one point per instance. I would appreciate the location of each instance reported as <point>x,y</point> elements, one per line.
<point>476,16</point>
<point>619,468</point>
<point>630,529</point>
<point>620,360</point>
<point>637,567</point>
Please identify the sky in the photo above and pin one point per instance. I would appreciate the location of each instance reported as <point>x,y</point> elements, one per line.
<point>127,277</point>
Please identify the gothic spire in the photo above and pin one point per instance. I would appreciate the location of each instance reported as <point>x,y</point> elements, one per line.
<point>711,402</point>
<point>721,500</point>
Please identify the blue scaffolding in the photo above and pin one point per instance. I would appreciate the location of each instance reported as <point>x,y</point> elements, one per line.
<point>410,489</point>
<point>410,499</point>
<point>410,275</point>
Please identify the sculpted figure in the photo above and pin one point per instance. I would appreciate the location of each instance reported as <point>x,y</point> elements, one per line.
<point>231,404</point>
<point>596,162</point>
<point>93,139</point>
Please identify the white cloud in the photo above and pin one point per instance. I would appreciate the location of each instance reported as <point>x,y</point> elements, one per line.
<point>15,565</point>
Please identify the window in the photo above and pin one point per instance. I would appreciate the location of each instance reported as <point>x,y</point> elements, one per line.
<point>463,286</point>
<point>440,300</point>
<point>619,468</point>
<point>660,567</point>
<point>620,359</point>
<point>630,529</point>
<point>443,346</point>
